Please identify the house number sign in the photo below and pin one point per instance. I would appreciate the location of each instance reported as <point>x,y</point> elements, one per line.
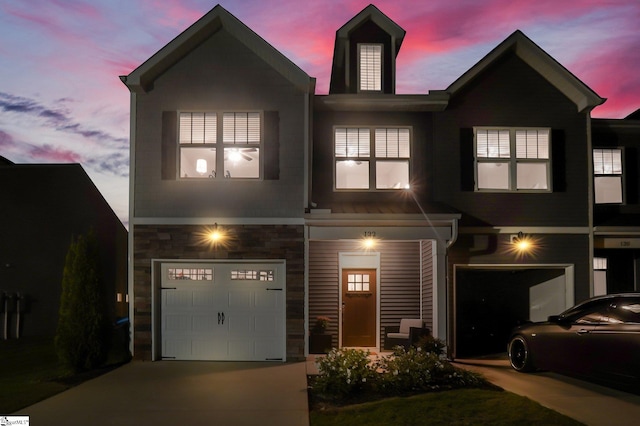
<point>369,234</point>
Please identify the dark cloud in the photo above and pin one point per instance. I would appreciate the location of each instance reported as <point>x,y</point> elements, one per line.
<point>57,118</point>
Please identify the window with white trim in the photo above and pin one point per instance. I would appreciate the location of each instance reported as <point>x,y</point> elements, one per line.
<point>234,153</point>
<point>358,168</point>
<point>513,159</point>
<point>370,67</point>
<point>607,175</point>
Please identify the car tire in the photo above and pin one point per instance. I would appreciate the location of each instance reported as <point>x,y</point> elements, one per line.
<point>520,355</point>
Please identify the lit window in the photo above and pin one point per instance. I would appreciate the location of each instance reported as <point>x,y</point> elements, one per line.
<point>358,282</point>
<point>356,167</point>
<point>370,67</point>
<point>200,146</point>
<point>179,274</point>
<point>607,170</point>
<point>252,275</point>
<point>513,159</point>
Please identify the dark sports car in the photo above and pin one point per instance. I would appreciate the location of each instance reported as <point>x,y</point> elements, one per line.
<point>597,339</point>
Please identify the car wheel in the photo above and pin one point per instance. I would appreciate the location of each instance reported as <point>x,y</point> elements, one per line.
<point>519,354</point>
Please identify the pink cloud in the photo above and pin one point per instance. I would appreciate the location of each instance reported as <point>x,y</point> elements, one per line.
<point>53,154</point>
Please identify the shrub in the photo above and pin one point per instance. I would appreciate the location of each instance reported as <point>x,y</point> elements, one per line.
<point>418,370</point>
<point>82,333</point>
<point>344,372</point>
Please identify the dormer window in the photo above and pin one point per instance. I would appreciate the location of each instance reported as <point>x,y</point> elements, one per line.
<point>370,67</point>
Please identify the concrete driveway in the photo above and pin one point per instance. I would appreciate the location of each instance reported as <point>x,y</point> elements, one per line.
<point>586,402</point>
<point>183,393</point>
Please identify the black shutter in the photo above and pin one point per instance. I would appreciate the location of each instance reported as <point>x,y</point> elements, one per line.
<point>169,144</point>
<point>271,145</point>
<point>558,161</point>
<point>467,160</point>
<point>630,173</point>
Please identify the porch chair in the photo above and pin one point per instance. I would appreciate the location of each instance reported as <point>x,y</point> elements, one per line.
<point>408,333</point>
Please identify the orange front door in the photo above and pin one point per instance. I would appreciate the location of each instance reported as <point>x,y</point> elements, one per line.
<point>359,307</point>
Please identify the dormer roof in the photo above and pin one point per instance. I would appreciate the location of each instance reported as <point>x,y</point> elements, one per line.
<point>369,14</point>
<point>579,93</point>
<point>141,79</point>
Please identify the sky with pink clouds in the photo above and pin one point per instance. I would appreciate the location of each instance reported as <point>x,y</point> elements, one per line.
<point>61,99</point>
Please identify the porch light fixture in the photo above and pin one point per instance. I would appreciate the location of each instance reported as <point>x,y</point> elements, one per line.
<point>522,243</point>
<point>214,236</point>
<point>369,243</point>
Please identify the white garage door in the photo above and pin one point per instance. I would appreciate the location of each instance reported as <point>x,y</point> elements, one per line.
<point>223,311</point>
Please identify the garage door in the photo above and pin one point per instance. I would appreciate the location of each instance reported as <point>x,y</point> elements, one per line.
<point>223,311</point>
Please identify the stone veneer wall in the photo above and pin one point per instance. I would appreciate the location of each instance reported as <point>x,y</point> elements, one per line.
<point>185,242</point>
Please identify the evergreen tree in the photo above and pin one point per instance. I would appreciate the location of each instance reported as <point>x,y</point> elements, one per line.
<point>82,334</point>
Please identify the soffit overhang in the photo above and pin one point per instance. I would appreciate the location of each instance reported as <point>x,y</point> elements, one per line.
<point>434,101</point>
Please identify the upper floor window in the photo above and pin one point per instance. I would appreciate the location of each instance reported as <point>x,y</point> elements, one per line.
<point>370,67</point>
<point>607,171</point>
<point>235,153</point>
<point>510,159</point>
<point>356,166</point>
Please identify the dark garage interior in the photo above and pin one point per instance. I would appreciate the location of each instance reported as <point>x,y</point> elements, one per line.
<point>489,303</point>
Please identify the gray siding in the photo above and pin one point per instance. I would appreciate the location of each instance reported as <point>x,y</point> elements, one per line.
<point>511,94</point>
<point>428,279</point>
<point>220,75</point>
<point>399,281</point>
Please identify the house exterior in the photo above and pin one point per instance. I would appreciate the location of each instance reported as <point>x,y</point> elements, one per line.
<point>45,206</point>
<point>258,206</point>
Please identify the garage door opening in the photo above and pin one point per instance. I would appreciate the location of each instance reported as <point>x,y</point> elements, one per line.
<point>489,302</point>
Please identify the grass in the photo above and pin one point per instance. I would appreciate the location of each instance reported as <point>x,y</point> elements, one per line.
<point>30,372</point>
<point>453,407</point>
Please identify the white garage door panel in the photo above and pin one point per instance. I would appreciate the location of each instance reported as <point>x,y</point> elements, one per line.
<point>208,315</point>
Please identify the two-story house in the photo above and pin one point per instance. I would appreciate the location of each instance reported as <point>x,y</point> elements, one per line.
<point>258,206</point>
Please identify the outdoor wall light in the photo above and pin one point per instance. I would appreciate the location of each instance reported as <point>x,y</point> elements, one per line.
<point>215,235</point>
<point>369,243</point>
<point>522,242</point>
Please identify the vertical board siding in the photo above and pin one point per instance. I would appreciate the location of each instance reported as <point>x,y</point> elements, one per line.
<point>399,282</point>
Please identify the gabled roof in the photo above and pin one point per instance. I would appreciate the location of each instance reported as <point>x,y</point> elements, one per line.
<point>369,13</point>
<point>518,43</point>
<point>141,79</point>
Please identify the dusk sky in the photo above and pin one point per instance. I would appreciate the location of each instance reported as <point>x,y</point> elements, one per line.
<point>61,100</point>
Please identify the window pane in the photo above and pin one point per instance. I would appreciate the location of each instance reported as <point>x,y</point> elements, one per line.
<point>392,174</point>
<point>197,127</point>
<point>370,67</point>
<point>492,143</point>
<point>352,174</point>
<point>241,127</point>
<point>392,143</point>
<point>607,161</point>
<point>493,175</point>
<point>608,189</point>
<point>532,176</point>
<point>352,142</point>
<point>197,162</point>
<point>242,163</point>
<point>532,143</point>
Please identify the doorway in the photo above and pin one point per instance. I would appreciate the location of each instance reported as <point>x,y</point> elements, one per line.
<point>359,307</point>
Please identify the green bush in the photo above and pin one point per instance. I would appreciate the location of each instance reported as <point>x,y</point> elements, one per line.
<point>416,370</point>
<point>344,372</point>
<point>83,329</point>
<point>349,373</point>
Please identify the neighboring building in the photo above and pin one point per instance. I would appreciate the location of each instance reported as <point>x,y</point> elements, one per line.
<point>362,205</point>
<point>45,206</point>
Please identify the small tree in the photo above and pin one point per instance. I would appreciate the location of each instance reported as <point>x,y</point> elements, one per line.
<point>82,334</point>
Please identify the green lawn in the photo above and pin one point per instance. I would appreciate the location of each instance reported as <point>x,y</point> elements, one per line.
<point>30,372</point>
<point>454,407</point>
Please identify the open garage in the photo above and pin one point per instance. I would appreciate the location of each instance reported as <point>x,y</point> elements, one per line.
<point>490,300</point>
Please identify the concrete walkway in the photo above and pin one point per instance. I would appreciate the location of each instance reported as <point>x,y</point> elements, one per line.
<point>586,402</point>
<point>183,393</point>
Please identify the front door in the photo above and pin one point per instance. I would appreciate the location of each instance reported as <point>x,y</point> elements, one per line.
<point>359,307</point>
